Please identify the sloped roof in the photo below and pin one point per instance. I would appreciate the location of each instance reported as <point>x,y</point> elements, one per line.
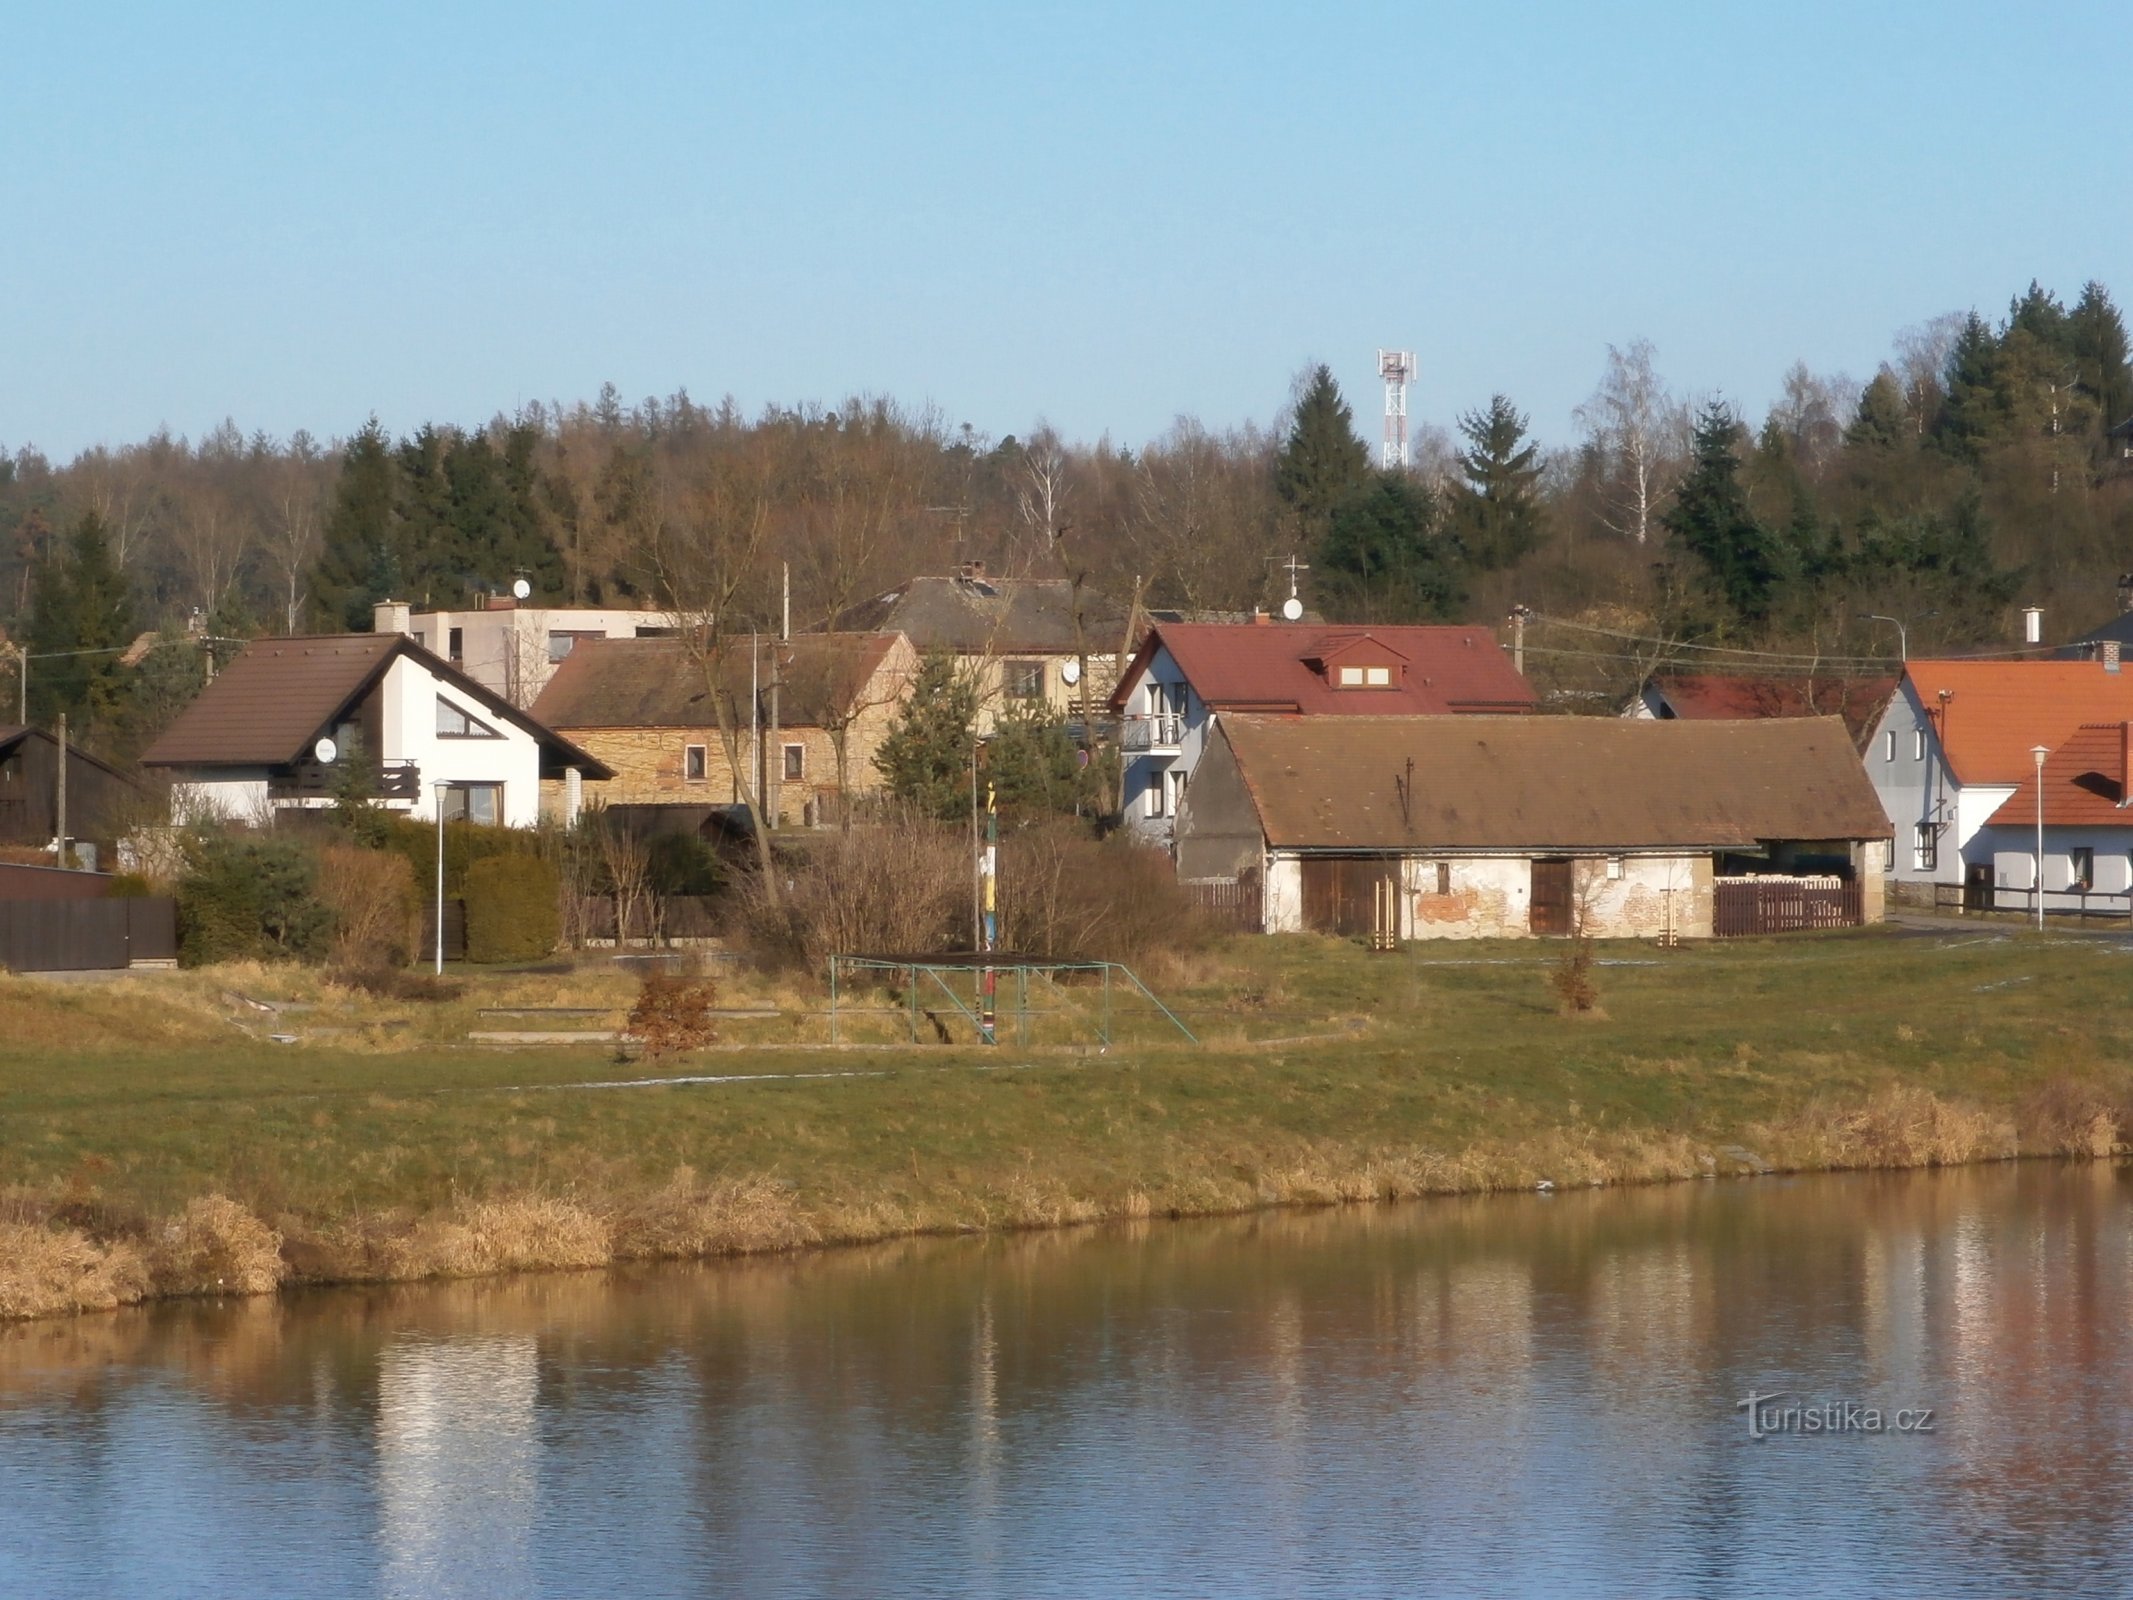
<point>1550,783</point>
<point>1266,666</point>
<point>12,734</point>
<point>267,706</point>
<point>1997,710</point>
<point>1703,696</point>
<point>657,683</point>
<point>977,615</point>
<point>2084,783</point>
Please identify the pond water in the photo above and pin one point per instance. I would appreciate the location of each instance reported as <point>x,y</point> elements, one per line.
<point>1514,1395</point>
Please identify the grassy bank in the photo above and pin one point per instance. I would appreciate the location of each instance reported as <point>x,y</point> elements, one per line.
<point>155,1140</point>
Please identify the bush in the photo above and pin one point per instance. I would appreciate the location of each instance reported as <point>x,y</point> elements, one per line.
<point>511,908</point>
<point>1065,894</point>
<point>902,886</point>
<point>377,917</point>
<point>129,886</point>
<point>672,1013</point>
<point>250,897</point>
<point>464,844</point>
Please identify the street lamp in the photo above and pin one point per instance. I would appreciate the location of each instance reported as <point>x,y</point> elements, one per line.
<point>1903,634</point>
<point>2037,753</point>
<point>439,786</point>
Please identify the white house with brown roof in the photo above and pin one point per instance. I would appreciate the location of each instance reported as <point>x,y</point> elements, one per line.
<point>291,722</point>
<point>1469,827</point>
<point>1954,744</point>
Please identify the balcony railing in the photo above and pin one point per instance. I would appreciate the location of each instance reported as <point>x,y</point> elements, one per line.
<point>389,780</point>
<point>1160,732</point>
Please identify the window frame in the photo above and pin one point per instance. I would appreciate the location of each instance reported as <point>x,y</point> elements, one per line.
<point>1022,678</point>
<point>1154,794</point>
<point>1888,744</point>
<point>461,794</point>
<point>793,763</point>
<point>695,763</point>
<point>455,644</point>
<point>2081,882</point>
<point>1925,847</point>
<point>1918,744</point>
<point>475,729</point>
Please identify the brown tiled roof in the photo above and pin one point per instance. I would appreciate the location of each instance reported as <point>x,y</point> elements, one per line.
<point>658,683</point>
<point>267,706</point>
<point>1550,783</point>
<point>991,616</point>
<point>1998,710</point>
<point>2084,783</point>
<point>1731,697</point>
<point>1272,666</point>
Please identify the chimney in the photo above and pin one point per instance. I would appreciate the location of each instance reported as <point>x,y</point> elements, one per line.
<point>2032,624</point>
<point>2110,655</point>
<point>392,616</point>
<point>1260,617</point>
<point>971,572</point>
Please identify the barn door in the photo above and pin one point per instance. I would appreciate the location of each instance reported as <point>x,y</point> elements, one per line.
<point>1340,893</point>
<point>1551,897</point>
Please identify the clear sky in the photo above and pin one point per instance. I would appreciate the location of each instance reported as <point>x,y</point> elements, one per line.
<point>1104,215</point>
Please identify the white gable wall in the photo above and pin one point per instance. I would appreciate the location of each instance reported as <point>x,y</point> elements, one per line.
<point>410,734</point>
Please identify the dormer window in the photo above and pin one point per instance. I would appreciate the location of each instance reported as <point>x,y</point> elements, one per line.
<point>455,723</point>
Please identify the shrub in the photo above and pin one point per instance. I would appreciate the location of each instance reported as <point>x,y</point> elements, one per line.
<point>250,897</point>
<point>511,908</point>
<point>1063,893</point>
<point>672,1013</point>
<point>377,917</point>
<point>902,886</point>
<point>129,886</point>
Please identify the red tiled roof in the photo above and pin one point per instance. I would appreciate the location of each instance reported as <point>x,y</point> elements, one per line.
<point>2084,783</point>
<point>1726,696</point>
<point>1267,667</point>
<point>1998,710</point>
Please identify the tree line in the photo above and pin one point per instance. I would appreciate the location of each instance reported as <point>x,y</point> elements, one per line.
<point>1975,469</point>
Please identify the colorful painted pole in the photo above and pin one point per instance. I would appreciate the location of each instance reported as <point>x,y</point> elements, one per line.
<point>988,886</point>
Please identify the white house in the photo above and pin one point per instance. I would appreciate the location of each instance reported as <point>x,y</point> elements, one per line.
<point>1185,676</point>
<point>2086,820</point>
<point>1953,745</point>
<point>512,648</point>
<point>293,723</point>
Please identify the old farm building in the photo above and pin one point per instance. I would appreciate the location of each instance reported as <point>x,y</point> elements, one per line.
<point>1490,826</point>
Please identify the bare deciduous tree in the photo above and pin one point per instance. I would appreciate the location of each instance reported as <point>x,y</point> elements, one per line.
<point>1635,427</point>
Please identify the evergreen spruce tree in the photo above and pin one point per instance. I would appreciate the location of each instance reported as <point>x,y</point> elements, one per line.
<point>1384,559</point>
<point>82,618</point>
<point>1322,462</point>
<point>1971,415</point>
<point>925,756</point>
<point>2096,338</point>
<point>1741,561</point>
<point>1883,422</point>
<point>358,562</point>
<point>1496,513</point>
<point>1032,764</point>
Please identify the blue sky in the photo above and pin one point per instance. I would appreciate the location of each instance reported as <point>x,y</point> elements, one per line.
<point>1103,215</point>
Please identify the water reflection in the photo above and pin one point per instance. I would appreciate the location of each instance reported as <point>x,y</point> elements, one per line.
<point>1525,1394</point>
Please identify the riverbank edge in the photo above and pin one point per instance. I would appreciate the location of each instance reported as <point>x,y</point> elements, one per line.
<point>53,1264</point>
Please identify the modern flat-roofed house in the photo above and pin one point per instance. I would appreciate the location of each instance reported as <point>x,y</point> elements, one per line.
<point>643,707</point>
<point>286,723</point>
<point>1954,743</point>
<point>1472,827</point>
<point>1020,639</point>
<point>1735,697</point>
<point>510,647</point>
<point>1185,676</point>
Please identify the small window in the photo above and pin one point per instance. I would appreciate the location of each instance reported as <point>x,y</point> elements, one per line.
<point>1177,790</point>
<point>562,643</point>
<point>422,640</point>
<point>1378,677</point>
<point>1155,794</point>
<point>480,803</point>
<point>1925,847</point>
<point>1614,867</point>
<point>1444,877</point>
<point>692,763</point>
<point>1918,744</point>
<point>2081,869</point>
<point>1888,745</point>
<point>1022,680</point>
<point>455,644</point>
<point>1351,677</point>
<point>795,762</point>
<point>454,722</point>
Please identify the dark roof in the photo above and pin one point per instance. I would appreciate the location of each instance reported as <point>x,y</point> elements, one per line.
<point>1274,666</point>
<point>1726,696</point>
<point>2084,783</point>
<point>2119,631</point>
<point>976,615</point>
<point>268,705</point>
<point>658,683</point>
<point>12,734</point>
<point>1550,783</point>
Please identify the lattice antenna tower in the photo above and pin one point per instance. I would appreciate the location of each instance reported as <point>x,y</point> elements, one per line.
<point>1396,367</point>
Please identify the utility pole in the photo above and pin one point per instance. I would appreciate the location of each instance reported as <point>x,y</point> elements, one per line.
<point>1519,614</point>
<point>777,681</point>
<point>61,819</point>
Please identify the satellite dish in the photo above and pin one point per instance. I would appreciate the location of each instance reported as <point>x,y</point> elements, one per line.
<point>325,750</point>
<point>1070,672</point>
<point>521,589</point>
<point>1292,609</point>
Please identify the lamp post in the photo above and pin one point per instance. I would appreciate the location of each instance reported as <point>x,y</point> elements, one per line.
<point>438,786</point>
<point>1903,634</point>
<point>2037,753</point>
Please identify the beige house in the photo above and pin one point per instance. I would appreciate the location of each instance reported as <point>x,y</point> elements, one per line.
<point>1019,639</point>
<point>1487,827</point>
<point>510,647</point>
<point>807,716</point>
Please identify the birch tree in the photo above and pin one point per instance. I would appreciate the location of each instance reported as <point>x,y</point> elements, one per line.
<point>1635,427</point>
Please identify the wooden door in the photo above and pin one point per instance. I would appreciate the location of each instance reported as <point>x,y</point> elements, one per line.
<point>1551,911</point>
<point>1977,886</point>
<point>1339,893</point>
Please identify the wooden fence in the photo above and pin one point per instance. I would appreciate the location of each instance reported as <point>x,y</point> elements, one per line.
<point>1231,902</point>
<point>1745,906</point>
<point>87,935</point>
